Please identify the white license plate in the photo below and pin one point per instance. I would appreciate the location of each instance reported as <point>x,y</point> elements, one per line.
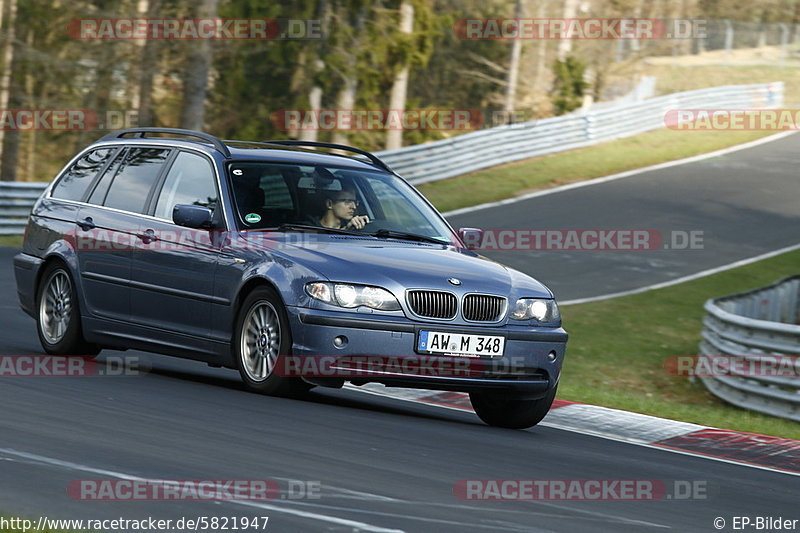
<point>460,344</point>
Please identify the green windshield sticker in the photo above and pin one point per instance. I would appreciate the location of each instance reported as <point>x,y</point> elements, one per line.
<point>252,218</point>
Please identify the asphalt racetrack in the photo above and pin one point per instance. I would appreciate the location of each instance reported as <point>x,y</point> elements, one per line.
<point>381,464</point>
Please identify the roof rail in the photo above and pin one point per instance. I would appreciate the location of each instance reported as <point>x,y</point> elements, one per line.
<point>140,133</point>
<point>372,157</point>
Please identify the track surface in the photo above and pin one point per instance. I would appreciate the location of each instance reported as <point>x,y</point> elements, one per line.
<point>744,202</point>
<point>388,465</point>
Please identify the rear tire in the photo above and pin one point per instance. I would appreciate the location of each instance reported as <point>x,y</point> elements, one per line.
<point>58,317</point>
<point>262,336</point>
<point>499,410</point>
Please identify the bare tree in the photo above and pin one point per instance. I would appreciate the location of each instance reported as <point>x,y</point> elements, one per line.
<point>513,70</point>
<point>346,99</point>
<point>317,66</point>
<point>196,74</point>
<point>565,45</point>
<point>148,57</point>
<point>397,99</point>
<point>8,12</point>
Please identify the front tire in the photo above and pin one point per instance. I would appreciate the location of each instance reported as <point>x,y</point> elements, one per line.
<point>262,337</point>
<point>58,317</point>
<point>499,410</point>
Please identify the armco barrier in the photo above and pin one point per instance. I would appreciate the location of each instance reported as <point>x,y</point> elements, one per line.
<point>16,200</point>
<point>486,148</point>
<point>757,323</point>
<point>443,159</point>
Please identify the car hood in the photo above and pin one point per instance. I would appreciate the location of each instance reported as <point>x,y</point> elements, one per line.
<point>399,264</point>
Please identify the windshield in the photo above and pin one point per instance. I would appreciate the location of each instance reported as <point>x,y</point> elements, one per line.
<point>279,195</point>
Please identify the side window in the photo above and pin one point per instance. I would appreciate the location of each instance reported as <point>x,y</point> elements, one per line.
<point>133,181</point>
<point>189,181</point>
<point>98,195</point>
<point>276,192</point>
<point>73,185</point>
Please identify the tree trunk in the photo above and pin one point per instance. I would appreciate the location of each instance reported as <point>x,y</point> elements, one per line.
<point>397,99</point>
<point>147,68</point>
<point>195,79</point>
<point>314,104</point>
<point>513,71</point>
<point>541,53</point>
<point>565,45</point>
<point>9,15</point>
<point>15,100</point>
<point>346,99</point>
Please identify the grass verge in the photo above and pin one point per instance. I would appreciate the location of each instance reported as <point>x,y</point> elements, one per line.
<point>617,349</point>
<point>515,179</point>
<point>15,241</point>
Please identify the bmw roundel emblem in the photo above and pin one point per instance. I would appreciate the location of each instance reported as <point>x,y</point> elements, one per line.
<point>454,281</point>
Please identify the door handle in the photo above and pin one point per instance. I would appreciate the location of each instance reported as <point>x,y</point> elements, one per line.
<point>86,224</point>
<point>148,236</point>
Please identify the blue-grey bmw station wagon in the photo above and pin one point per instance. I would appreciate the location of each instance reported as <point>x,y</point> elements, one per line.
<point>294,264</point>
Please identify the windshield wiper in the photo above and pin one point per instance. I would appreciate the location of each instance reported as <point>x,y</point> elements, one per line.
<point>289,226</point>
<point>392,234</point>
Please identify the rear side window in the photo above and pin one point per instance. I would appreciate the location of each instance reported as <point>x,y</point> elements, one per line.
<point>190,181</point>
<point>73,185</point>
<point>136,176</point>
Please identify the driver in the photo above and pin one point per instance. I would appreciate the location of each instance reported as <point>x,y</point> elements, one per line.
<point>340,210</point>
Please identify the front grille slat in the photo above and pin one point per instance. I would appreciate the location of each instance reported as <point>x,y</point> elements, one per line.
<point>444,305</point>
<point>433,304</point>
<point>483,307</point>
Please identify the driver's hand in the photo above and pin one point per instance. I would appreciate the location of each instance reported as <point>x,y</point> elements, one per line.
<point>357,222</point>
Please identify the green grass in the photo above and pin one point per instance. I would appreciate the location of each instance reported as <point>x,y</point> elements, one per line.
<point>617,349</point>
<point>677,78</point>
<point>514,179</point>
<point>15,241</point>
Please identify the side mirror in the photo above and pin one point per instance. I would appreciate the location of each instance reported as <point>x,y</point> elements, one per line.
<point>471,237</point>
<point>193,216</point>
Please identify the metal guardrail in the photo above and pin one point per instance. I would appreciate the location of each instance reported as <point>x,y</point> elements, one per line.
<point>748,326</point>
<point>16,200</point>
<point>465,153</point>
<point>477,150</point>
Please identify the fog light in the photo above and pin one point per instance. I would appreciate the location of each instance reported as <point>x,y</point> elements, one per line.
<point>552,356</point>
<point>340,341</point>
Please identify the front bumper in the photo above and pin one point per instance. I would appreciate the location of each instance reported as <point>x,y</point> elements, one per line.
<point>382,349</point>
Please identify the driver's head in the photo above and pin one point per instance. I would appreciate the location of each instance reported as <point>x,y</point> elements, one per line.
<point>342,203</point>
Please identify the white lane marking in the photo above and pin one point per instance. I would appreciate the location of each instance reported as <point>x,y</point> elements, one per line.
<point>120,475</point>
<point>341,521</point>
<point>358,526</point>
<point>619,175</point>
<point>547,422</point>
<point>516,527</point>
<point>684,279</point>
<point>591,515</point>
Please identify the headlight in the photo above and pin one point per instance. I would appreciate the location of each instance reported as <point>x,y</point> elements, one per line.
<point>346,295</point>
<point>544,311</point>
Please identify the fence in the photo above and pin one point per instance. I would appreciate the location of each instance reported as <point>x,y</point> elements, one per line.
<point>16,200</point>
<point>486,148</point>
<point>443,159</point>
<point>745,326</point>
